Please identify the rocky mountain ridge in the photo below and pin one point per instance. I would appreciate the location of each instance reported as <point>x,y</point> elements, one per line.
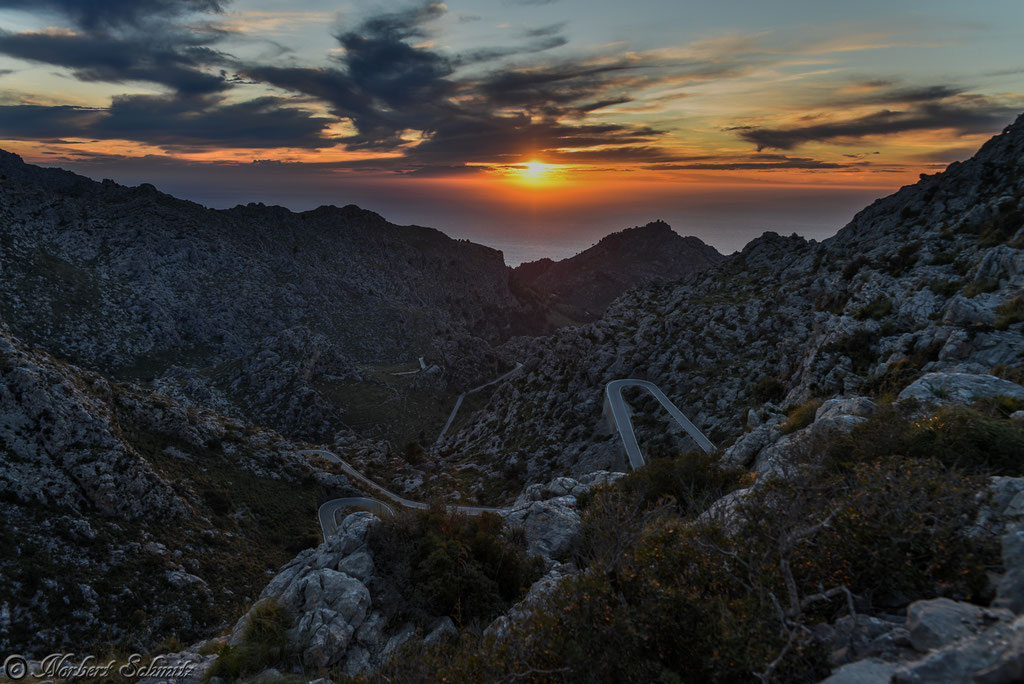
<point>142,286</point>
<point>581,287</point>
<point>781,352</point>
<point>927,279</point>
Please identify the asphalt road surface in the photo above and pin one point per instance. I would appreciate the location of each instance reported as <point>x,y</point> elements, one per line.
<point>458,402</point>
<point>620,414</point>
<point>329,510</point>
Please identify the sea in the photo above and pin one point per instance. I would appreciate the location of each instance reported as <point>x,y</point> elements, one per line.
<point>521,251</point>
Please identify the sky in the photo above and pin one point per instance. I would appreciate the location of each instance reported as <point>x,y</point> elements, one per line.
<point>532,124</point>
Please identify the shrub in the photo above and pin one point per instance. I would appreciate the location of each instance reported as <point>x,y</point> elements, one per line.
<point>895,532</point>
<point>693,481</point>
<point>800,416</point>
<point>975,439</point>
<point>943,287</point>
<point>834,302</point>
<point>853,267</point>
<point>904,258</point>
<point>942,259</point>
<point>859,346</point>
<point>769,389</point>
<point>902,372</point>
<point>877,308</point>
<point>981,286</point>
<point>1002,227</point>
<point>263,644</point>
<point>1011,373</point>
<point>1010,312</point>
<point>435,563</point>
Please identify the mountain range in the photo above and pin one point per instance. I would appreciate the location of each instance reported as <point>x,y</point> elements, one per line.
<point>168,374</point>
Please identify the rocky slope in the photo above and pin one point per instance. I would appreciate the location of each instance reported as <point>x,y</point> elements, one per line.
<point>927,279</point>
<point>128,518</point>
<point>580,288</point>
<point>237,306</point>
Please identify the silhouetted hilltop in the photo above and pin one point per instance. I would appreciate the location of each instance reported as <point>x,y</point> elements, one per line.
<point>583,286</point>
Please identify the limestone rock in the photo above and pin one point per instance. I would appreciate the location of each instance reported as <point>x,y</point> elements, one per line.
<point>961,388</point>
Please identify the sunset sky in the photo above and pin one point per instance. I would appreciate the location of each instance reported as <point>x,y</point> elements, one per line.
<point>544,121</point>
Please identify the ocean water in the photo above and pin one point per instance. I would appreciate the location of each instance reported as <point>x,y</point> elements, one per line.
<point>519,251</point>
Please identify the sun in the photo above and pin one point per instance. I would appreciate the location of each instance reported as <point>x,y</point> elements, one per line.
<point>535,173</point>
<point>535,169</point>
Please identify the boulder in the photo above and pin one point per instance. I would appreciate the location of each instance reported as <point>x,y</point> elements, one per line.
<point>991,654</point>
<point>549,525</point>
<point>937,622</point>
<point>869,671</point>
<point>959,388</point>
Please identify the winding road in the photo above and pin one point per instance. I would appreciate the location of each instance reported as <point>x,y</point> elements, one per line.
<point>328,512</point>
<point>615,406</point>
<point>458,402</point>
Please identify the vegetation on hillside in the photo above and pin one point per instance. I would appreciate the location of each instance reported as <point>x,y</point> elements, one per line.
<point>436,563</point>
<point>866,523</point>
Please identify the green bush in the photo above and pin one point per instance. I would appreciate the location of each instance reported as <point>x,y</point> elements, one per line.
<point>853,267</point>
<point>1011,373</point>
<point>263,644</point>
<point>692,482</point>
<point>943,287</point>
<point>800,416</point>
<point>981,286</point>
<point>978,439</point>
<point>435,563</point>
<point>896,531</point>
<point>1010,312</point>
<point>904,258</point>
<point>769,389</point>
<point>878,308</point>
<point>859,346</point>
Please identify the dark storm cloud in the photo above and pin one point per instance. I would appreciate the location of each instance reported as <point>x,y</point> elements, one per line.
<point>40,122</point>
<point>385,86</point>
<point>172,122</point>
<point>118,41</point>
<point>93,15</point>
<point>482,137</point>
<point>169,121</point>
<point>623,154</point>
<point>973,115</point>
<point>174,63</point>
<point>760,163</point>
<point>490,54</point>
<point>551,88</point>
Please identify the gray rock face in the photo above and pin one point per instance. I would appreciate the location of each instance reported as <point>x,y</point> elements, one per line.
<point>548,515</point>
<point>328,605</point>
<point>868,671</point>
<point>133,281</point>
<point>959,388</point>
<point>938,622</point>
<point>333,605</point>
<point>991,654</point>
